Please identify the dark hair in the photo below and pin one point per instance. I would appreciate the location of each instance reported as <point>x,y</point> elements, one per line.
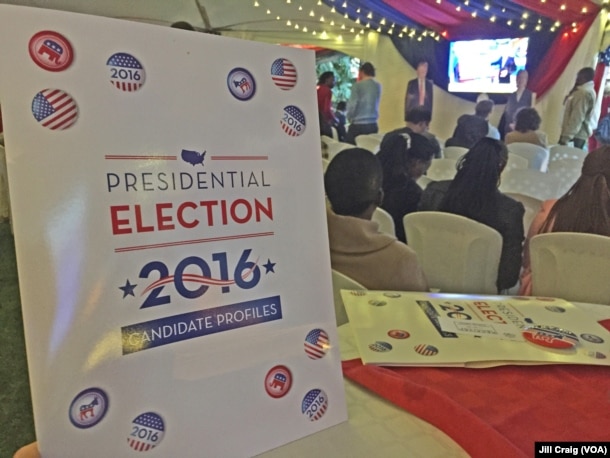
<point>586,74</point>
<point>324,76</point>
<point>399,150</point>
<point>341,105</point>
<point>586,205</point>
<point>483,108</point>
<point>474,190</point>
<point>352,181</point>
<point>420,62</point>
<point>418,114</point>
<point>182,25</point>
<point>527,119</point>
<point>368,69</point>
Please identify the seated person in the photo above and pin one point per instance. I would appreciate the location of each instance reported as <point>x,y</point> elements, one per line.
<point>417,122</point>
<point>469,130</point>
<point>353,183</point>
<point>527,123</point>
<point>483,109</point>
<point>584,208</point>
<point>404,159</point>
<point>474,193</point>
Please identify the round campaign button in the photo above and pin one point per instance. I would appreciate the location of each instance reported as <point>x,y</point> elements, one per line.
<point>550,336</point>
<point>314,404</point>
<point>51,51</point>
<point>398,334</point>
<point>293,121</point>
<point>54,109</point>
<point>426,349</point>
<point>278,381</point>
<point>316,343</point>
<point>147,431</point>
<point>241,84</point>
<point>126,72</point>
<point>380,347</point>
<point>88,408</point>
<point>283,74</point>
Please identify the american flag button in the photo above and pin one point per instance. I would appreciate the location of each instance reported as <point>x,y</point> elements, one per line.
<point>314,404</point>
<point>278,381</point>
<point>316,344</point>
<point>54,109</point>
<point>146,432</point>
<point>380,347</point>
<point>283,74</point>
<point>293,121</point>
<point>426,350</point>
<point>126,72</point>
<point>241,84</point>
<point>88,408</point>
<point>51,51</point>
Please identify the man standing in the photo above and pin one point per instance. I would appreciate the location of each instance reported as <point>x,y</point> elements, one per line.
<point>523,97</point>
<point>363,104</point>
<point>579,119</point>
<point>324,89</point>
<point>419,90</point>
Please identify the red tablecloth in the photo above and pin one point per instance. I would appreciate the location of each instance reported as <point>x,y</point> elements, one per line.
<point>501,411</point>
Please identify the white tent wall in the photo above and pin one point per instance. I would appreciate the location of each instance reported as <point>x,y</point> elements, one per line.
<point>393,71</point>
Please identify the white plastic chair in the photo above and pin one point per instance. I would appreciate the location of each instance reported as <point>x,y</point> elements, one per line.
<point>516,162</point>
<point>341,281</point>
<point>566,172</point>
<point>530,182</point>
<point>537,156</point>
<point>457,254</point>
<point>325,163</point>
<point>334,148</point>
<point>5,208</point>
<point>558,152</point>
<point>424,181</point>
<point>571,266</point>
<point>454,152</point>
<point>325,139</point>
<point>385,221</point>
<point>370,142</point>
<point>442,169</point>
<point>531,205</point>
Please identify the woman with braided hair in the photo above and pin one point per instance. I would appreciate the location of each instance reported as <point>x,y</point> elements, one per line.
<point>584,208</point>
<point>474,193</point>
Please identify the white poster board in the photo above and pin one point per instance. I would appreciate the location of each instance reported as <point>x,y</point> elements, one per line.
<point>168,208</point>
<point>434,329</point>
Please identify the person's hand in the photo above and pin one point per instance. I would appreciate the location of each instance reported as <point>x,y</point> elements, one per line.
<point>28,451</point>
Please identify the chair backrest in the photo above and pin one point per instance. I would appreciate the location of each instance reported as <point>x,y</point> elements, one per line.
<point>531,205</point>
<point>571,266</point>
<point>385,221</point>
<point>530,182</point>
<point>341,281</point>
<point>516,162</point>
<point>325,163</point>
<point>457,254</point>
<point>333,149</point>
<point>537,156</point>
<point>454,152</point>
<point>558,152</point>
<point>370,142</point>
<point>566,172</point>
<point>442,169</point>
<point>424,181</point>
<point>325,139</point>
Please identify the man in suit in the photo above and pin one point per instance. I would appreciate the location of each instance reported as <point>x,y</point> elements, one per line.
<point>419,90</point>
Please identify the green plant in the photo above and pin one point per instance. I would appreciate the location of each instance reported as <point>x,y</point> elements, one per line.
<point>345,69</point>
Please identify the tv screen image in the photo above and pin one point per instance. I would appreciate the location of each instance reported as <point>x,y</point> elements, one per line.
<point>486,65</point>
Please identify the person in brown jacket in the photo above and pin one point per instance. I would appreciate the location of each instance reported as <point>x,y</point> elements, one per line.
<point>353,184</point>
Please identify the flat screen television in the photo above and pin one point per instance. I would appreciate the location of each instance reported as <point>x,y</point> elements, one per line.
<point>489,65</point>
